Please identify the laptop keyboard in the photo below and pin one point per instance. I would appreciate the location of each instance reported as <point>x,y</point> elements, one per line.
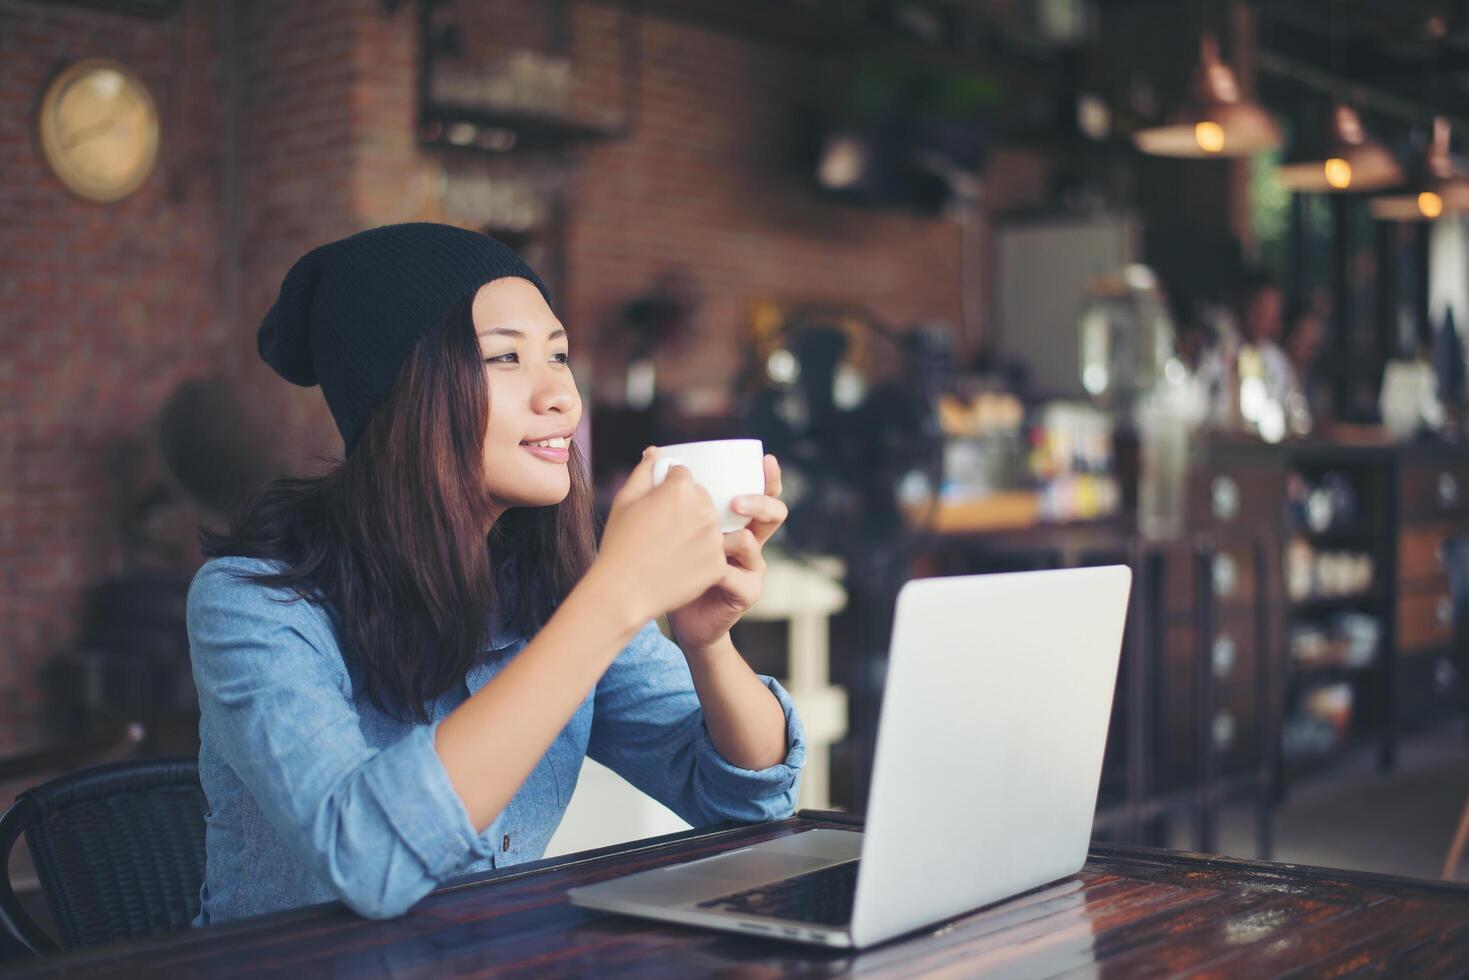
<point>824,897</point>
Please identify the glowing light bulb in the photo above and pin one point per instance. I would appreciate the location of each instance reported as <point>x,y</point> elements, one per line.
<point>1430,205</point>
<point>1338,173</point>
<point>1209,136</point>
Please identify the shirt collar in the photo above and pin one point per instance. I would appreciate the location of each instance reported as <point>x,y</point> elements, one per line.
<point>504,633</point>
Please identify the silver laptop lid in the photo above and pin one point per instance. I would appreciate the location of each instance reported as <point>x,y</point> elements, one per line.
<point>989,750</point>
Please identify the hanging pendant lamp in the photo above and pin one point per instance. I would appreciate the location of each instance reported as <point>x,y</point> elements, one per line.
<point>1437,187</point>
<point>1217,121</point>
<point>1340,159</point>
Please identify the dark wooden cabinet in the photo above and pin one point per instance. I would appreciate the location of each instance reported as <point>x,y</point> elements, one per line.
<point>1425,620</point>
<point>1217,590</point>
<point>1394,509</point>
<point>1434,484</point>
<point>1231,730</point>
<point>1433,507</point>
<point>1421,555</point>
<point>1303,617</point>
<point>1238,488</point>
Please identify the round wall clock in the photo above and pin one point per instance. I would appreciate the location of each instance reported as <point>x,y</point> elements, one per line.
<point>99,129</point>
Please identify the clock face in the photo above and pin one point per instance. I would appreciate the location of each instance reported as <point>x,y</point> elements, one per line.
<point>99,130</point>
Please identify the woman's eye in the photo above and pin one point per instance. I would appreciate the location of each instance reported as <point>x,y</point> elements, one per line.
<point>514,358</point>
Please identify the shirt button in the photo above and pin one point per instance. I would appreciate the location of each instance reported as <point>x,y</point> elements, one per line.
<point>505,843</point>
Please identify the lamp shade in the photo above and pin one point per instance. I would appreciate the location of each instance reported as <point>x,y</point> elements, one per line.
<point>1216,121</point>
<point>1339,158</point>
<point>1436,187</point>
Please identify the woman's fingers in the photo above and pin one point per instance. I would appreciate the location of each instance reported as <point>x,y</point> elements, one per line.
<point>766,510</point>
<point>639,481</point>
<point>742,548</point>
<point>742,586</point>
<point>767,514</point>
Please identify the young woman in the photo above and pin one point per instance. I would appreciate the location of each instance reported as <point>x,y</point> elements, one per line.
<point>402,664</point>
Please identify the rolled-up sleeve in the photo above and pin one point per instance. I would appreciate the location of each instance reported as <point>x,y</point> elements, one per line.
<point>380,828</point>
<point>647,726</point>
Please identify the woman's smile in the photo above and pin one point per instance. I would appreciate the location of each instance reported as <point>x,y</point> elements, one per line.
<point>550,453</point>
<point>554,448</point>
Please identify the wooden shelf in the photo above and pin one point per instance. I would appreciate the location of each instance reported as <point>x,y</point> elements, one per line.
<point>1356,532</point>
<point>528,129</point>
<point>1000,511</point>
<point>1327,602</point>
<point>1316,675</point>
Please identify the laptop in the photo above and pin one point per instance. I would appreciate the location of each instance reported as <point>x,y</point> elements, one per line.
<point>984,784</point>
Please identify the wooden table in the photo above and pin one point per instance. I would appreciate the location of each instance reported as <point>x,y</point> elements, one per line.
<point>1132,912</point>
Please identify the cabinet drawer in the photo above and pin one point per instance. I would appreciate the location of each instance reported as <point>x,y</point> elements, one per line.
<point>1430,490</point>
<point>1244,496</point>
<point>1232,576</point>
<point>1233,727</point>
<point>1425,621</point>
<point>1230,658</point>
<point>1420,553</point>
<point>1234,739</point>
<point>1234,735</point>
<point>1232,580</point>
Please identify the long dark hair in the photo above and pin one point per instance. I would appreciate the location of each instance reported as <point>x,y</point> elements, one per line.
<point>394,536</point>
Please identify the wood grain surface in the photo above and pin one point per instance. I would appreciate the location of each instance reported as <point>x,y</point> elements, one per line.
<point>1131,912</point>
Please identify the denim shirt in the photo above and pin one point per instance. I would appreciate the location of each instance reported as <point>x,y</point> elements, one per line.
<point>315,795</point>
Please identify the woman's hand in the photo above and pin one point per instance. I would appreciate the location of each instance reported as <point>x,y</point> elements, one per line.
<point>661,548</point>
<point>706,620</point>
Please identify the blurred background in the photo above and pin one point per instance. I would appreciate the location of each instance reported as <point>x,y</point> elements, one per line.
<point>1005,284</point>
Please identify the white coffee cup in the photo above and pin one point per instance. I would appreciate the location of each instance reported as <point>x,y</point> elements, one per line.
<point>727,468</point>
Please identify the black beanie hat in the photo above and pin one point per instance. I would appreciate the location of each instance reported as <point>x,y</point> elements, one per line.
<point>350,312</point>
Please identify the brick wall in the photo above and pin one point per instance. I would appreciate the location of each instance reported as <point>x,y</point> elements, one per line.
<point>708,183</point>
<point>288,124</point>
<point>299,80</point>
<point>105,309</point>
